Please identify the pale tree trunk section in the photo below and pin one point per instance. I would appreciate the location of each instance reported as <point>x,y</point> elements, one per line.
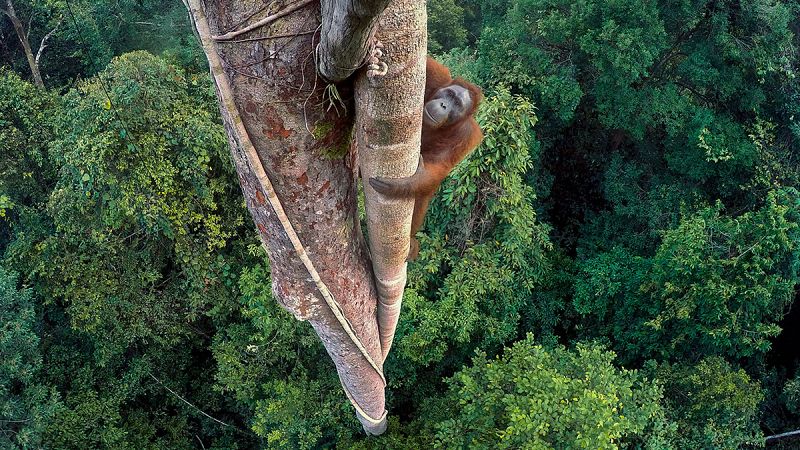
<point>347,32</point>
<point>43,45</point>
<point>33,61</point>
<point>388,130</point>
<point>304,151</point>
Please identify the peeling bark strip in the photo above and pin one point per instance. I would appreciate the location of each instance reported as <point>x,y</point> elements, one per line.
<point>347,29</point>
<point>388,130</point>
<point>323,209</point>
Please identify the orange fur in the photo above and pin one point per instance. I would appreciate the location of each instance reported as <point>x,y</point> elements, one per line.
<point>441,149</point>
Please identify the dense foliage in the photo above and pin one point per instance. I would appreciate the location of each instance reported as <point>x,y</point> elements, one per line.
<point>539,398</point>
<point>634,206</point>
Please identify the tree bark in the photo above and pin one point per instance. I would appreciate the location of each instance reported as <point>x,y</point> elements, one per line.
<point>303,147</point>
<point>26,45</point>
<point>347,31</point>
<point>389,125</point>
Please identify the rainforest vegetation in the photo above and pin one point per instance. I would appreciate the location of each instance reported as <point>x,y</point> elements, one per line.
<point>616,266</point>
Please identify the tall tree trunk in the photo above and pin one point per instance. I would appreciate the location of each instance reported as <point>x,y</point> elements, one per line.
<point>388,130</point>
<point>26,45</point>
<point>282,127</point>
<point>388,123</point>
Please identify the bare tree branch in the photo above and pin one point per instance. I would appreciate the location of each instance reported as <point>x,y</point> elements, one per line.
<point>19,28</point>
<point>43,44</point>
<point>30,21</point>
<point>783,436</point>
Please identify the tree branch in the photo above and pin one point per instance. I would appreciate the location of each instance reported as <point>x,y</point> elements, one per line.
<point>43,44</point>
<point>783,436</point>
<point>348,27</point>
<point>19,28</point>
<point>30,21</point>
<point>189,403</point>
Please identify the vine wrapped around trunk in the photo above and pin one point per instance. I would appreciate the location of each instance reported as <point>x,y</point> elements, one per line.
<point>273,109</point>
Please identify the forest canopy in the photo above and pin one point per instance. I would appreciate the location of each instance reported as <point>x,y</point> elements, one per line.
<point>616,266</point>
